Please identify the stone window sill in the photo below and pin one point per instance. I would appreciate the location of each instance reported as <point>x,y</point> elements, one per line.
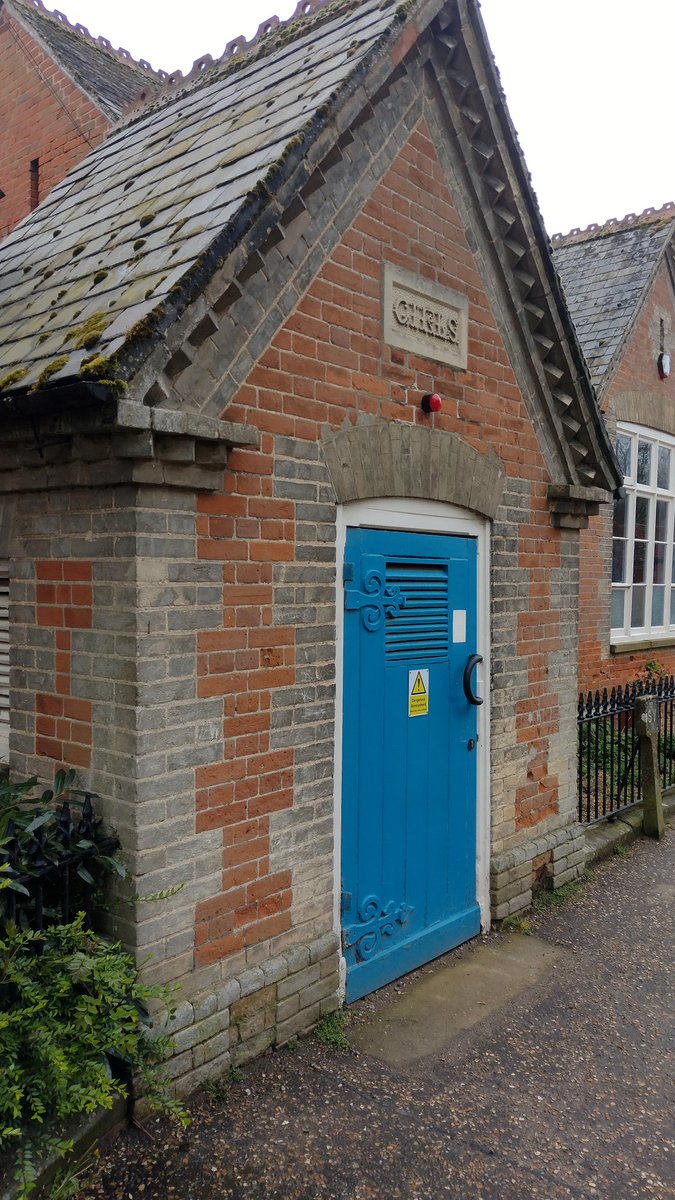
<point>640,644</point>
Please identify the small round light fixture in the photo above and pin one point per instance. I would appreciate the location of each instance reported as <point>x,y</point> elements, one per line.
<point>432,403</point>
<point>663,364</point>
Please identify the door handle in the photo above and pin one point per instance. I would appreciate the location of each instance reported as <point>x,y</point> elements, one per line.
<point>472,663</point>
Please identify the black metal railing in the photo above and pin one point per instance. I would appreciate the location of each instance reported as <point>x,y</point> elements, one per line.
<point>53,868</point>
<point>608,766</point>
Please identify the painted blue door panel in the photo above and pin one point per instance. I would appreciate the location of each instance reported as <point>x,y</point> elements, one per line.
<point>409,782</point>
<point>397,960</point>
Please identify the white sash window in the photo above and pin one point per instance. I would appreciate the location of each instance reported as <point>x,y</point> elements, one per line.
<point>643,562</point>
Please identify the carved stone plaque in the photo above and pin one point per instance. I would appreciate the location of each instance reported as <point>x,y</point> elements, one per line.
<point>425,319</point>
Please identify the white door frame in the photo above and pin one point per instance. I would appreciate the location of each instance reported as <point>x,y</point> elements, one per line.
<point>421,516</point>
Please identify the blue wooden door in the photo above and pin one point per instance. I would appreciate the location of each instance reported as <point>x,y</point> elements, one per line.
<point>409,759</point>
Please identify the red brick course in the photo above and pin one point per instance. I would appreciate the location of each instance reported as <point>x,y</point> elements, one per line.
<point>63,723</point>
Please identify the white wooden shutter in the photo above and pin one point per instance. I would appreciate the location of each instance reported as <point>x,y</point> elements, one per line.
<point>4,669</point>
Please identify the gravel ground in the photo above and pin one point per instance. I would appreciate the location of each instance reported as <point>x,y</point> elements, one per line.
<point>566,1091</point>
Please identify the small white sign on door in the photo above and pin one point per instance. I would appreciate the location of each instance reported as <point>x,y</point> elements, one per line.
<point>459,625</point>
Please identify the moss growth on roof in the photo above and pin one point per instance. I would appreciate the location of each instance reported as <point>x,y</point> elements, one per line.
<point>87,335</point>
<point>52,368</point>
<point>105,371</point>
<point>7,381</point>
<point>145,326</point>
<point>98,365</point>
<point>146,219</point>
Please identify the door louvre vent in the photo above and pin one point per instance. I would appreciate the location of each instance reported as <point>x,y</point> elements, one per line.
<point>421,627</point>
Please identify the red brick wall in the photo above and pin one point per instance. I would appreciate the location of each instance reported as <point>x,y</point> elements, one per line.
<point>63,724</point>
<point>637,372</point>
<point>43,115</point>
<point>328,364</point>
<point>248,531</point>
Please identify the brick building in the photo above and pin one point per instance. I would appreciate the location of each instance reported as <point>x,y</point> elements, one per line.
<point>60,93</point>
<point>619,280</point>
<point>312,637</point>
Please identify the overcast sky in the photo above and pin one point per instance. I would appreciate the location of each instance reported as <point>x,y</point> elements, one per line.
<point>588,84</point>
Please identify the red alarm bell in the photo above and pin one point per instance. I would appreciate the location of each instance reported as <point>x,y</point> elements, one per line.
<point>432,403</point>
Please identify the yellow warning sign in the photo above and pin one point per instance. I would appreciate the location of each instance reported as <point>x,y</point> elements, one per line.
<point>418,693</point>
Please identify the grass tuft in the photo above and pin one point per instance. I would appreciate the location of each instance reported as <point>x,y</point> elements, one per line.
<point>330,1030</point>
<point>558,898</point>
<point>218,1089</point>
<point>516,924</point>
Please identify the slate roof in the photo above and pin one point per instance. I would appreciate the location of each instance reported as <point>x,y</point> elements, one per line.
<point>111,241</point>
<point>111,77</point>
<point>606,270</point>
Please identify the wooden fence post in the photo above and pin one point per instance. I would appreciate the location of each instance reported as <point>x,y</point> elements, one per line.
<point>647,730</point>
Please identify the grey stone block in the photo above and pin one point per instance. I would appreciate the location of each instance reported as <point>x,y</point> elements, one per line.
<point>297,958</point>
<point>298,981</point>
<point>251,981</point>
<point>275,970</point>
<point>324,947</point>
<point>302,1022</point>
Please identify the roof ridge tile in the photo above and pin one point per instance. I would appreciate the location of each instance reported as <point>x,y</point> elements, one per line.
<point>238,47</point>
<point>649,216</point>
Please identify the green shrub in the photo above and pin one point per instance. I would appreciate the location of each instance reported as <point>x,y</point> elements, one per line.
<point>40,829</point>
<point>69,1002</point>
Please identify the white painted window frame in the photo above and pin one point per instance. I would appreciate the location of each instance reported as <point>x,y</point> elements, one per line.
<point>666,632</point>
<point>422,516</point>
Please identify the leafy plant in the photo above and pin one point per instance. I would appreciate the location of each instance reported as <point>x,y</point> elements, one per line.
<point>653,670</point>
<point>330,1030</point>
<point>43,830</point>
<point>69,1002</point>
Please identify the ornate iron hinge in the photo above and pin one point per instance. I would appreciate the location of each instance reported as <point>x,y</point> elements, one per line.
<point>376,922</point>
<point>377,597</point>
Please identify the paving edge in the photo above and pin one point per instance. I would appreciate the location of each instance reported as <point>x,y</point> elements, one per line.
<point>602,839</point>
<point>85,1132</point>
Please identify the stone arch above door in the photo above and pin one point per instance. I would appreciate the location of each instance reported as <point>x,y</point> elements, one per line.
<point>368,461</point>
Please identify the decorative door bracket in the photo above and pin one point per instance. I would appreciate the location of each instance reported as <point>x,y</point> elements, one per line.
<point>377,598</point>
<point>375,923</point>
